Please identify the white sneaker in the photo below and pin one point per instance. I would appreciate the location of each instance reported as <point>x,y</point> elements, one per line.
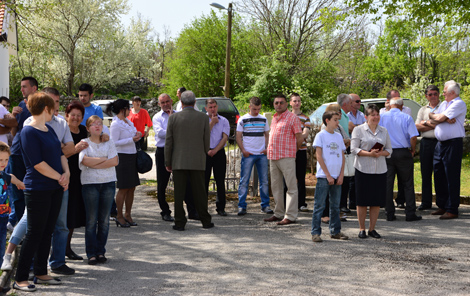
<point>303,209</point>
<point>6,265</point>
<point>10,227</point>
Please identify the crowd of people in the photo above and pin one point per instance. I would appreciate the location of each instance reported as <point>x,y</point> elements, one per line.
<point>64,171</point>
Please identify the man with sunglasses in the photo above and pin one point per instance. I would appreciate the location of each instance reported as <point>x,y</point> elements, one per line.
<point>356,117</point>
<point>427,144</point>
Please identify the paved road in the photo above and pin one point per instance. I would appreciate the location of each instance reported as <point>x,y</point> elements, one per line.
<point>245,256</point>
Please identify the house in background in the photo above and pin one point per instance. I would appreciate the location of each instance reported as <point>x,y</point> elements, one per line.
<point>8,46</point>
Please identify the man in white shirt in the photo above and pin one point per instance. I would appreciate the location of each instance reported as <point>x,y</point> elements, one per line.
<point>449,120</point>
<point>252,139</point>
<point>427,144</point>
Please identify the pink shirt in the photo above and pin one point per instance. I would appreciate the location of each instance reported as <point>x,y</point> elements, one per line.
<point>282,140</point>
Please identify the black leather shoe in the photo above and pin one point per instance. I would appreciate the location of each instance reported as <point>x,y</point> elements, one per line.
<point>373,233</point>
<point>72,256</point>
<point>210,225</point>
<point>221,213</point>
<point>400,205</point>
<point>168,218</point>
<point>178,228</point>
<point>391,217</point>
<point>345,210</point>
<point>194,217</point>
<point>362,234</point>
<point>423,207</point>
<point>413,217</point>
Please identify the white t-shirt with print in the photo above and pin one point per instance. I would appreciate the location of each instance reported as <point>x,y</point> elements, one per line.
<point>253,129</point>
<point>332,152</point>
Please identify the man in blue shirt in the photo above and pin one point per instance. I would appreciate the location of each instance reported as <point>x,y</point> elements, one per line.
<point>403,135</point>
<point>29,85</point>
<point>85,94</point>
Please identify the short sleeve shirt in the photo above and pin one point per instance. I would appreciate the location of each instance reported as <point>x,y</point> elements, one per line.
<point>344,121</point>
<point>282,139</point>
<point>140,120</point>
<point>97,176</point>
<point>454,109</point>
<point>423,114</point>
<point>38,146</point>
<point>92,110</point>
<point>332,146</point>
<point>60,126</point>
<point>220,128</point>
<point>400,127</point>
<point>253,129</point>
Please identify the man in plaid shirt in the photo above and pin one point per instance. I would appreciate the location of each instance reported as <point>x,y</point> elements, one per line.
<point>284,141</point>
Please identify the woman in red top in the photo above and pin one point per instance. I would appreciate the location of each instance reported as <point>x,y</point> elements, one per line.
<point>140,118</point>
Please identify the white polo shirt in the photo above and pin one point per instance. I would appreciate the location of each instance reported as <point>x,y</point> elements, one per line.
<point>454,109</point>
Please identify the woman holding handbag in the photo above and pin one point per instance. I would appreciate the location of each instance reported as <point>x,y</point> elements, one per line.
<point>124,135</point>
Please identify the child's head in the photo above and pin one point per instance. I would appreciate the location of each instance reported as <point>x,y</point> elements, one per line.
<point>94,125</point>
<point>4,155</point>
<point>330,117</point>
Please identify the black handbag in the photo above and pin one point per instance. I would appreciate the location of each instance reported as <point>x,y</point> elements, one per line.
<point>144,161</point>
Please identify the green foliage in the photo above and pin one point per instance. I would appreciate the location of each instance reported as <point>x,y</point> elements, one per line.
<point>415,90</point>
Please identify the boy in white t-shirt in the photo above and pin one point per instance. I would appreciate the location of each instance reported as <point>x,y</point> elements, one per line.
<point>330,149</point>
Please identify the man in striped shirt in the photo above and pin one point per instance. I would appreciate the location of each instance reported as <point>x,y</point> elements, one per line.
<point>252,139</point>
<point>284,141</point>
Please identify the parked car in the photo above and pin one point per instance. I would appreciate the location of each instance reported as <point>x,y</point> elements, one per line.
<point>316,116</point>
<point>227,109</point>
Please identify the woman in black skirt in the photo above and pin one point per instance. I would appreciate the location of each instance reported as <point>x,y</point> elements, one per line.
<point>124,135</point>
<point>371,145</point>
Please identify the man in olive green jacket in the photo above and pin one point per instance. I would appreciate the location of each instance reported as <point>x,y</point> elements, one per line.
<point>186,147</point>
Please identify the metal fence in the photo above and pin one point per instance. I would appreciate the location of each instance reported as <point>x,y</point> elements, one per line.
<point>232,174</point>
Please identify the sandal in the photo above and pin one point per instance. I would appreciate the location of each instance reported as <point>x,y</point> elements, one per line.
<point>92,261</point>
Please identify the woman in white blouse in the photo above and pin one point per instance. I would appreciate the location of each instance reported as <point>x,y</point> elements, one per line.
<point>98,179</point>
<point>371,145</point>
<point>124,136</point>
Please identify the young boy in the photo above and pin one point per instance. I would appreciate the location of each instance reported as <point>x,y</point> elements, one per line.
<point>330,149</point>
<point>5,179</point>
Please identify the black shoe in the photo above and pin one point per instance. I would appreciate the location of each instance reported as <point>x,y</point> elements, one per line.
<point>125,225</point>
<point>102,259</point>
<point>413,217</point>
<point>64,269</point>
<point>373,233</point>
<point>221,213</point>
<point>362,234</point>
<point>168,218</point>
<point>423,207</point>
<point>400,205</point>
<point>345,210</point>
<point>391,217</point>
<point>131,223</point>
<point>178,228</point>
<point>73,256</point>
<point>210,225</point>
<point>92,261</point>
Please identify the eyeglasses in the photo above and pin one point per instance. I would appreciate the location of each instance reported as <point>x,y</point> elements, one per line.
<point>434,94</point>
<point>97,124</point>
<point>357,101</point>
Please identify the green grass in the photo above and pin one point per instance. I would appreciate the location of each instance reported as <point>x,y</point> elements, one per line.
<point>464,177</point>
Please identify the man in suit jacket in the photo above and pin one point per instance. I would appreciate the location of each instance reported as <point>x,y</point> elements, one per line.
<point>186,146</point>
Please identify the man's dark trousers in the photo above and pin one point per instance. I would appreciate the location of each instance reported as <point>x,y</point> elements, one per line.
<point>401,164</point>
<point>447,166</point>
<point>426,158</point>
<point>218,163</point>
<point>196,178</point>
<point>163,176</point>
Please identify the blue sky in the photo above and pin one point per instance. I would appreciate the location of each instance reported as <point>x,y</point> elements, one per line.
<point>173,14</point>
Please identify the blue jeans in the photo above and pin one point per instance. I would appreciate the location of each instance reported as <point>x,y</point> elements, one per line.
<point>321,191</point>
<point>3,236</point>
<point>20,230</point>
<point>17,202</point>
<point>261,162</point>
<point>60,235</point>
<point>98,199</point>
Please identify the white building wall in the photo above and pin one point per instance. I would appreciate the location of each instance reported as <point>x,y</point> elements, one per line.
<point>4,70</point>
